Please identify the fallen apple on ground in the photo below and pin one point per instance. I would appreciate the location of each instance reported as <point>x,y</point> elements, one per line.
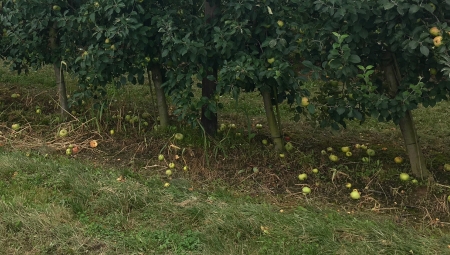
<point>333,158</point>
<point>355,194</point>
<point>345,149</point>
<point>306,190</point>
<point>404,176</point>
<point>172,165</point>
<point>179,136</point>
<point>15,127</point>
<point>160,157</point>
<point>302,177</point>
<point>63,133</point>
<point>398,160</point>
<point>168,172</point>
<point>315,170</point>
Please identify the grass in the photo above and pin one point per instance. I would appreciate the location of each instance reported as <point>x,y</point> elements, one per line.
<point>62,206</point>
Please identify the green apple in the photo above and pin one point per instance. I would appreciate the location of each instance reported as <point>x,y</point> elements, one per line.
<point>302,177</point>
<point>63,133</point>
<point>107,41</point>
<point>68,151</point>
<point>15,127</point>
<point>315,170</point>
<point>168,172</point>
<point>370,152</point>
<point>113,47</point>
<point>56,8</point>
<point>345,149</point>
<point>433,7</point>
<point>232,125</point>
<point>171,165</point>
<point>258,126</point>
<point>185,168</point>
<point>447,167</point>
<point>433,71</point>
<point>179,136</point>
<point>348,185</point>
<point>38,111</point>
<point>363,146</point>
<point>414,181</point>
<point>160,157</point>
<point>282,155</point>
<point>288,146</point>
<point>448,198</point>
<point>264,141</point>
<point>355,194</point>
<point>365,159</point>
<point>280,23</point>
<point>255,169</point>
<point>96,5</point>
<point>348,154</point>
<point>270,60</point>
<point>333,158</point>
<point>306,190</point>
<point>404,176</point>
<point>147,59</point>
<point>357,146</point>
<point>323,152</point>
<point>166,185</point>
<point>15,95</point>
<point>329,149</point>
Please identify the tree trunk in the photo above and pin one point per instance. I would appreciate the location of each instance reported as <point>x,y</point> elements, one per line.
<point>406,123</point>
<point>209,123</point>
<point>60,83</point>
<point>160,96</point>
<point>275,132</point>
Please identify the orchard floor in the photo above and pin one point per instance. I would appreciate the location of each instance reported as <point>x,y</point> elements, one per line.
<point>235,184</point>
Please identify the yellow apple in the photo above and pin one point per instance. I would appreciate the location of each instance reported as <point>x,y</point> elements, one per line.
<point>398,160</point>
<point>305,101</point>
<point>434,31</point>
<point>355,194</point>
<point>437,41</point>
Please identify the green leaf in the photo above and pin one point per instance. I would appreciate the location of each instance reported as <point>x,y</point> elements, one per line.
<point>354,59</point>
<point>424,50</point>
<point>413,9</point>
<point>311,109</point>
<point>340,110</point>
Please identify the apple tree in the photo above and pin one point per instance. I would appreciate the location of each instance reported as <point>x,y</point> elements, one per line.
<point>33,34</point>
<point>377,58</point>
<point>119,43</point>
<point>249,43</point>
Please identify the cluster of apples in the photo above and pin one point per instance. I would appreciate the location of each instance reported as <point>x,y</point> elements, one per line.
<point>171,165</point>
<point>437,40</point>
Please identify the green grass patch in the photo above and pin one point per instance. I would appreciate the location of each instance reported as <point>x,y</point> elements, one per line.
<point>63,206</point>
